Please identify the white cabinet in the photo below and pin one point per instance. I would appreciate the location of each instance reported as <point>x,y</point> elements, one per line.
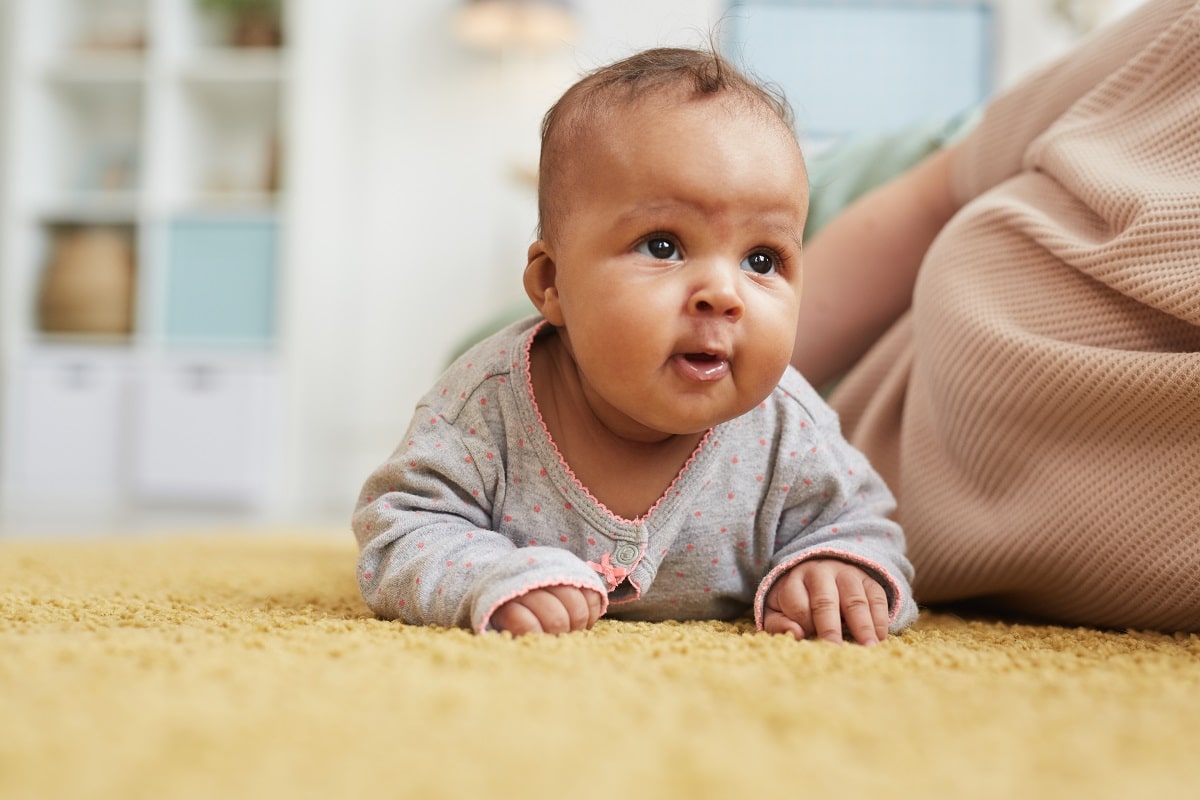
<point>144,120</point>
<point>205,432</point>
<point>70,443</point>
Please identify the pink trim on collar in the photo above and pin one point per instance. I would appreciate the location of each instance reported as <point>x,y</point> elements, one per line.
<point>533,334</point>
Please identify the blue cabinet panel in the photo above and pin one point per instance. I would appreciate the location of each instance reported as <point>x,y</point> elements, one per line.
<point>220,281</point>
<point>864,67</point>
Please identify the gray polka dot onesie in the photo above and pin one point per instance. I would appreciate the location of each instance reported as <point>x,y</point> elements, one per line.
<point>476,507</point>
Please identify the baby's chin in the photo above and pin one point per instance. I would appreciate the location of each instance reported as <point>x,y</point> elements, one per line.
<point>647,430</point>
<point>685,413</point>
<point>670,425</point>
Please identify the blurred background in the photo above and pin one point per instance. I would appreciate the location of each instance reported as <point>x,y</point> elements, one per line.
<point>240,238</point>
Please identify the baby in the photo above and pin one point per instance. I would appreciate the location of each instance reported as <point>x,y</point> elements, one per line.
<point>642,450</point>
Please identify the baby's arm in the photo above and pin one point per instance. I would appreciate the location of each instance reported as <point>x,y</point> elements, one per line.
<point>840,564</point>
<point>838,559</point>
<point>429,553</point>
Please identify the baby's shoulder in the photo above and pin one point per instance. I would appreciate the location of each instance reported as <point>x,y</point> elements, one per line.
<point>795,398</point>
<point>481,372</point>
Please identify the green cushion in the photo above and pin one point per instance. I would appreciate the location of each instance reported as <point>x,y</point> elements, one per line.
<point>839,175</point>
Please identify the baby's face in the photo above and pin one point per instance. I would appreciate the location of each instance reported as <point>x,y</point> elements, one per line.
<point>678,264</point>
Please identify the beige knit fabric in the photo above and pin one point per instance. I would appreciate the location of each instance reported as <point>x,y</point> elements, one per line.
<point>1037,411</point>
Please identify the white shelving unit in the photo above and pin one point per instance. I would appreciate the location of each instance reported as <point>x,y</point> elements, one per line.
<point>139,118</point>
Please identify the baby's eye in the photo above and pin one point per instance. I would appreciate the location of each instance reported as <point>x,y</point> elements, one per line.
<point>760,263</point>
<point>658,247</point>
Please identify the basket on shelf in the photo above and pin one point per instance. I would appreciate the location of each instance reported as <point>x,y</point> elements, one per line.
<point>88,284</point>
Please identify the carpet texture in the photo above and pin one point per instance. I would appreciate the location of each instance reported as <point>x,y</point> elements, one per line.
<point>238,666</point>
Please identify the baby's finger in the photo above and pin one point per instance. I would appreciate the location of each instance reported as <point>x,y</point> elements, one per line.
<point>595,606</point>
<point>516,619</point>
<point>856,608</point>
<point>574,603</point>
<point>825,606</point>
<point>778,622</point>
<point>548,609</point>
<point>786,608</point>
<point>879,607</point>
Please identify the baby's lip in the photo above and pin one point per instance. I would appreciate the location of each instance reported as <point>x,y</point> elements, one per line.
<point>700,349</point>
<point>702,365</point>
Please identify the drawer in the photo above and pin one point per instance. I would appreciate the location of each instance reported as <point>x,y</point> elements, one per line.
<point>68,428</point>
<point>205,432</point>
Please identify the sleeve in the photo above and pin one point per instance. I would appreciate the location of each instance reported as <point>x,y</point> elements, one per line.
<point>840,510</point>
<point>428,550</point>
<point>995,149</point>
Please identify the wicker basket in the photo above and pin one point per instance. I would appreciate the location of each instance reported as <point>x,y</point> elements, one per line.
<point>88,284</point>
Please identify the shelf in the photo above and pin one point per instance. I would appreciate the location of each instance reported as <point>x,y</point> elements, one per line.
<point>103,26</point>
<point>263,204</point>
<point>125,208</point>
<point>81,345</point>
<point>227,143</point>
<point>134,117</point>
<point>233,66</point>
<point>83,138</point>
<point>91,208</point>
<point>91,69</point>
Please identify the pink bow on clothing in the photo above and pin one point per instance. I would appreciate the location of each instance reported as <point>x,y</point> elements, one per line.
<point>613,575</point>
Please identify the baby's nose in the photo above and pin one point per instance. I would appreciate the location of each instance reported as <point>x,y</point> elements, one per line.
<point>716,292</point>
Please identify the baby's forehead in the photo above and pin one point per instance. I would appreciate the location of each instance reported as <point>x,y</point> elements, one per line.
<point>615,101</point>
<point>593,124</point>
<point>601,119</point>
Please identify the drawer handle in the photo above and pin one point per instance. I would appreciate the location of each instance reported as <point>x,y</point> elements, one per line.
<point>77,376</point>
<point>201,378</point>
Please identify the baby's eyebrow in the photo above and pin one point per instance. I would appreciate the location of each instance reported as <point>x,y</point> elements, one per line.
<point>787,231</point>
<point>658,209</point>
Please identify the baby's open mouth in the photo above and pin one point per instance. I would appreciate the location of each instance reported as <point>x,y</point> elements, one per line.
<point>702,366</point>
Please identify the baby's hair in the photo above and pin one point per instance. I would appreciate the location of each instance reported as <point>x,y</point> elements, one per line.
<point>700,71</point>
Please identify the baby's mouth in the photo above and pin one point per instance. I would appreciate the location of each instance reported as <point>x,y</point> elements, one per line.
<point>702,366</point>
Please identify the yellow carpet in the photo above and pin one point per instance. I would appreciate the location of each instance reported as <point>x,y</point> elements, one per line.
<point>246,666</point>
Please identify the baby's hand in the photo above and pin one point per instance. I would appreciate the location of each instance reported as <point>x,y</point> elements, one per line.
<point>554,609</point>
<point>818,597</point>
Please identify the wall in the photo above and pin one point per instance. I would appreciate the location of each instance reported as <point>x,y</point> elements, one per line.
<point>412,230</point>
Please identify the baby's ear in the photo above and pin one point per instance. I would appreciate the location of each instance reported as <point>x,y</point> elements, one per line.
<point>540,276</point>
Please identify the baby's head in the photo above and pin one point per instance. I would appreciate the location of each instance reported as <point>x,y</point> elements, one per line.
<point>672,200</point>
<point>680,73</point>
